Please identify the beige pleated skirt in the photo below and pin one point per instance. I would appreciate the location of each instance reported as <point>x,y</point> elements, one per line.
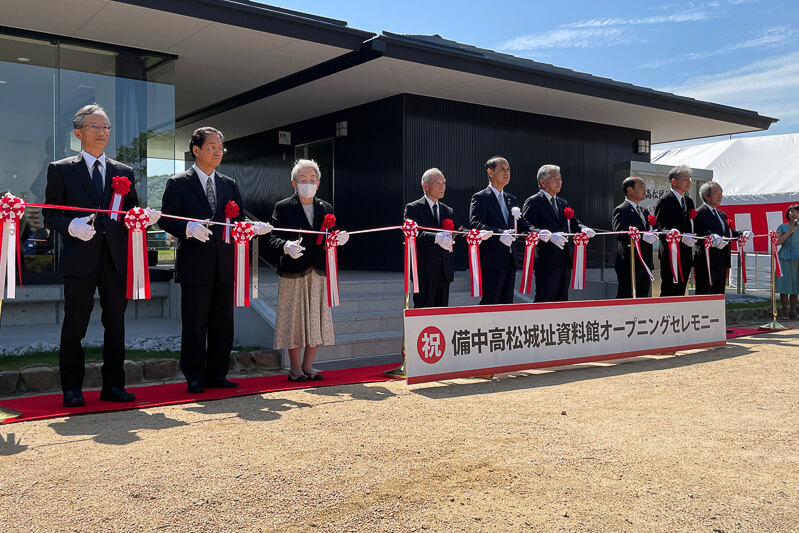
<point>303,317</point>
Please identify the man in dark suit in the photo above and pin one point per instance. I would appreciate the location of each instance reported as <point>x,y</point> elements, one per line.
<point>544,213</point>
<point>626,215</point>
<point>204,261</point>
<point>672,212</point>
<point>93,256</point>
<point>434,248</point>
<point>492,209</point>
<point>710,220</point>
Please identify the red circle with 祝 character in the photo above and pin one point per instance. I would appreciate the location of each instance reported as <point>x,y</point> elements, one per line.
<point>431,345</point>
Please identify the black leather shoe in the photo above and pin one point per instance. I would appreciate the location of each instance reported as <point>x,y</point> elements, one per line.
<point>74,398</point>
<point>221,383</point>
<point>117,394</point>
<point>195,387</point>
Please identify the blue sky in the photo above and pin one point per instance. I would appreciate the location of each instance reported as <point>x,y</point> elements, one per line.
<point>743,53</point>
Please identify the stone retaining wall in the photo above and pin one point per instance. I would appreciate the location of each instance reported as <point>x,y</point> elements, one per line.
<point>43,378</point>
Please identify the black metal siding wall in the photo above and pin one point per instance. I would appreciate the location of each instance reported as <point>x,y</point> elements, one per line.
<point>458,138</point>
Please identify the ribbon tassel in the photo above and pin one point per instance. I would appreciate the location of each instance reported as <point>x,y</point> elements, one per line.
<point>331,269</point>
<point>708,242</point>
<point>411,230</point>
<point>138,284</point>
<point>773,236</point>
<point>635,235</point>
<point>530,241</point>
<point>473,239</point>
<point>673,239</point>
<point>578,269</point>
<point>242,233</point>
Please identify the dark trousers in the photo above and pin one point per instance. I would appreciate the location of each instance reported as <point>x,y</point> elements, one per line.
<point>498,285</point>
<point>642,282</point>
<point>703,285</point>
<point>552,283</point>
<point>432,293</point>
<point>667,285</point>
<point>207,330</point>
<point>78,304</point>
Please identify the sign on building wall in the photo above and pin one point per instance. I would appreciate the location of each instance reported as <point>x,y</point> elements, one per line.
<point>445,343</point>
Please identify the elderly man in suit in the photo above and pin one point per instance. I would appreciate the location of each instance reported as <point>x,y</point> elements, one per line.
<point>493,209</point>
<point>544,213</point>
<point>710,220</point>
<point>630,214</point>
<point>204,261</point>
<point>94,254</point>
<point>673,212</point>
<point>434,248</point>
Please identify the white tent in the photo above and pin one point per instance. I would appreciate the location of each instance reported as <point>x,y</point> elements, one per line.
<point>759,175</point>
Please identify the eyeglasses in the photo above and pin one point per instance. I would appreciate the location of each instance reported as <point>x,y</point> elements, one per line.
<point>689,178</point>
<point>95,127</point>
<point>215,149</point>
<point>312,181</point>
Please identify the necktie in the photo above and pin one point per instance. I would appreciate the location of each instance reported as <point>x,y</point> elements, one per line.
<point>97,179</point>
<point>718,216</point>
<point>684,208</point>
<point>554,203</point>
<point>209,192</point>
<point>641,214</point>
<point>435,213</point>
<point>502,206</point>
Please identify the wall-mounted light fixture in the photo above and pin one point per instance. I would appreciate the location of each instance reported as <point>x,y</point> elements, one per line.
<point>341,128</point>
<point>643,146</point>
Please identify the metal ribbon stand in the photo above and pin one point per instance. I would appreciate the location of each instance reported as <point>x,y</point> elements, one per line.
<point>773,324</point>
<point>632,264</point>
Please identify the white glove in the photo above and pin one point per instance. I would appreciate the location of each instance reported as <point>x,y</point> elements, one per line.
<point>195,230</point>
<point>444,239</point>
<point>688,240</point>
<point>591,233</point>
<point>544,235</point>
<point>748,234</point>
<point>486,234</point>
<point>261,228</point>
<point>293,249</point>
<point>342,238</point>
<point>559,240</point>
<point>506,238</point>
<point>649,237</point>
<point>718,242</point>
<point>80,228</point>
<point>153,214</point>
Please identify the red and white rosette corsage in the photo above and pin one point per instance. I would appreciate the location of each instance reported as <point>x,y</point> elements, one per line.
<point>331,269</point>
<point>328,223</point>
<point>578,269</point>
<point>742,254</point>
<point>527,267</point>
<point>652,221</point>
<point>568,212</point>
<point>691,216</point>
<point>242,233</point>
<point>635,238</point>
<point>11,210</point>
<point>231,211</point>
<point>137,220</point>
<point>773,236</point>
<point>121,186</point>
<point>410,230</point>
<point>673,239</point>
<point>473,239</point>
<point>708,242</point>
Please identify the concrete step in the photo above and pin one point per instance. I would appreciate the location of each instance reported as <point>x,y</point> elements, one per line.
<point>345,323</point>
<point>354,345</point>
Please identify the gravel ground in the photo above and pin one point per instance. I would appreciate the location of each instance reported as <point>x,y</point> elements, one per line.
<point>702,441</point>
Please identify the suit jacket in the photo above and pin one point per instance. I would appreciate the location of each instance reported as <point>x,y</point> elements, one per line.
<point>431,258</point>
<point>707,223</point>
<point>538,214</point>
<point>69,183</point>
<point>624,216</point>
<point>486,214</point>
<point>196,263</point>
<point>289,213</point>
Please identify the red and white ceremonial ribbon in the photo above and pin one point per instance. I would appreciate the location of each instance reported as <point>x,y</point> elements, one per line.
<point>231,212</point>
<point>708,242</point>
<point>242,233</point>
<point>11,210</point>
<point>121,187</point>
<point>777,269</point>
<point>473,239</point>
<point>635,237</point>
<point>411,230</point>
<point>742,255</point>
<point>578,271</point>
<point>527,267</point>
<point>568,212</point>
<point>673,239</point>
<point>331,269</point>
<point>137,220</point>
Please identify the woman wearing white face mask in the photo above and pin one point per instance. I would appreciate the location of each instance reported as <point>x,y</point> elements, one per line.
<point>303,316</point>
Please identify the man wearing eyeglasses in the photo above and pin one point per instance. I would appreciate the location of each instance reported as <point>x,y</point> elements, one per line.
<point>673,212</point>
<point>204,261</point>
<point>93,255</point>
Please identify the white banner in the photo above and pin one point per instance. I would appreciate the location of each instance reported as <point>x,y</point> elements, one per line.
<point>446,343</point>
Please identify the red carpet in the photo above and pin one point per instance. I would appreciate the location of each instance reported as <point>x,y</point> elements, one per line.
<point>743,332</point>
<point>49,406</point>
